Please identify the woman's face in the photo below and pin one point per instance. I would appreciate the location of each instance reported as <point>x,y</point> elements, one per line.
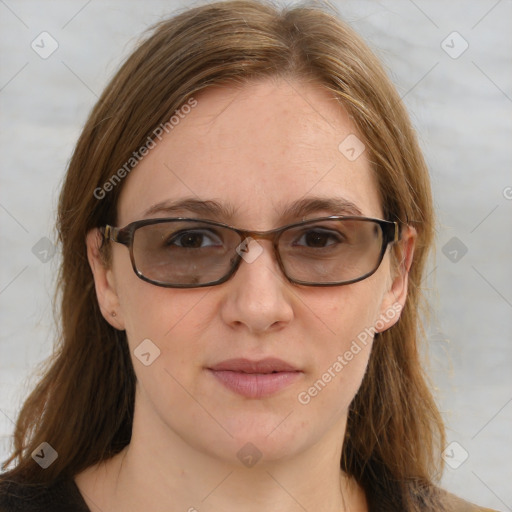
<point>255,150</point>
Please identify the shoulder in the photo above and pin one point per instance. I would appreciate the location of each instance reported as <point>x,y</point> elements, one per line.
<point>61,496</point>
<point>456,504</point>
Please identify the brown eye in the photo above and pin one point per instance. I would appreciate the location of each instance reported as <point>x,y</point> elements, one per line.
<point>193,239</point>
<point>320,238</point>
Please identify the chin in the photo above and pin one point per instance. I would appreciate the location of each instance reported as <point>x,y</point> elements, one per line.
<point>266,437</point>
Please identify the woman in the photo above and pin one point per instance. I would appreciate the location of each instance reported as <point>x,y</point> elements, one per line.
<point>244,226</point>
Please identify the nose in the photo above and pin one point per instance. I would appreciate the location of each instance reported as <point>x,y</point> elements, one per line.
<point>259,295</point>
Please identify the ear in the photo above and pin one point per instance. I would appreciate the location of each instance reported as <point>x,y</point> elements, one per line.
<point>103,281</point>
<point>395,297</point>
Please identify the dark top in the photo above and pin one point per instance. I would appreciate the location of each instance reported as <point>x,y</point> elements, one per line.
<point>64,496</point>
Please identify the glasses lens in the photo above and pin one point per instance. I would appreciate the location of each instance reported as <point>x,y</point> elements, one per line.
<point>184,252</point>
<point>332,251</point>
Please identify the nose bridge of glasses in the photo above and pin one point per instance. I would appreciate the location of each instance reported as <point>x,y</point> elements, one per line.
<point>258,236</point>
<point>252,244</point>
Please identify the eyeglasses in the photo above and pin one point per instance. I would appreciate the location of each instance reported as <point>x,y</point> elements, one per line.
<point>192,253</point>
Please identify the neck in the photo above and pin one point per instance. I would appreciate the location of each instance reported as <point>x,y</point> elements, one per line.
<point>179,477</point>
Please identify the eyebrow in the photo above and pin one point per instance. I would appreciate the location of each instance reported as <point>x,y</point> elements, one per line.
<point>213,209</point>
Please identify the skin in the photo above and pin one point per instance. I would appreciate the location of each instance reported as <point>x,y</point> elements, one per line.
<point>259,147</point>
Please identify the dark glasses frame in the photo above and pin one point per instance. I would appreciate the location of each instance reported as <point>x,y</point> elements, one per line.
<point>125,236</point>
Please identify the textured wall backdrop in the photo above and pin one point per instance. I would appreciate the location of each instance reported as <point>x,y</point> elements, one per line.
<point>451,62</point>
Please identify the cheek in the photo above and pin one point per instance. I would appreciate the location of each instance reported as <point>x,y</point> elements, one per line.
<point>149,311</point>
<point>163,331</point>
<point>345,314</point>
<point>342,347</point>
<point>161,314</point>
<point>332,390</point>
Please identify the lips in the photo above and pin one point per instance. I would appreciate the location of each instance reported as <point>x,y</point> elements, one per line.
<point>255,379</point>
<point>264,366</point>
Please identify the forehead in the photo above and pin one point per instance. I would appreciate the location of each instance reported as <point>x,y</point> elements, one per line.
<point>253,150</point>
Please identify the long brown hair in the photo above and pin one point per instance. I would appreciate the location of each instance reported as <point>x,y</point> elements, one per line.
<point>83,406</point>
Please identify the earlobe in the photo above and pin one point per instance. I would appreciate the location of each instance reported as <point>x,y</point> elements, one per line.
<point>103,281</point>
<point>395,297</point>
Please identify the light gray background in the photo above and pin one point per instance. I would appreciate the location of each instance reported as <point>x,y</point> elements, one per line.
<point>461,107</point>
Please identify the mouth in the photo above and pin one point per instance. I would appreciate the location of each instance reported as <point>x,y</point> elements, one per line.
<point>255,379</point>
